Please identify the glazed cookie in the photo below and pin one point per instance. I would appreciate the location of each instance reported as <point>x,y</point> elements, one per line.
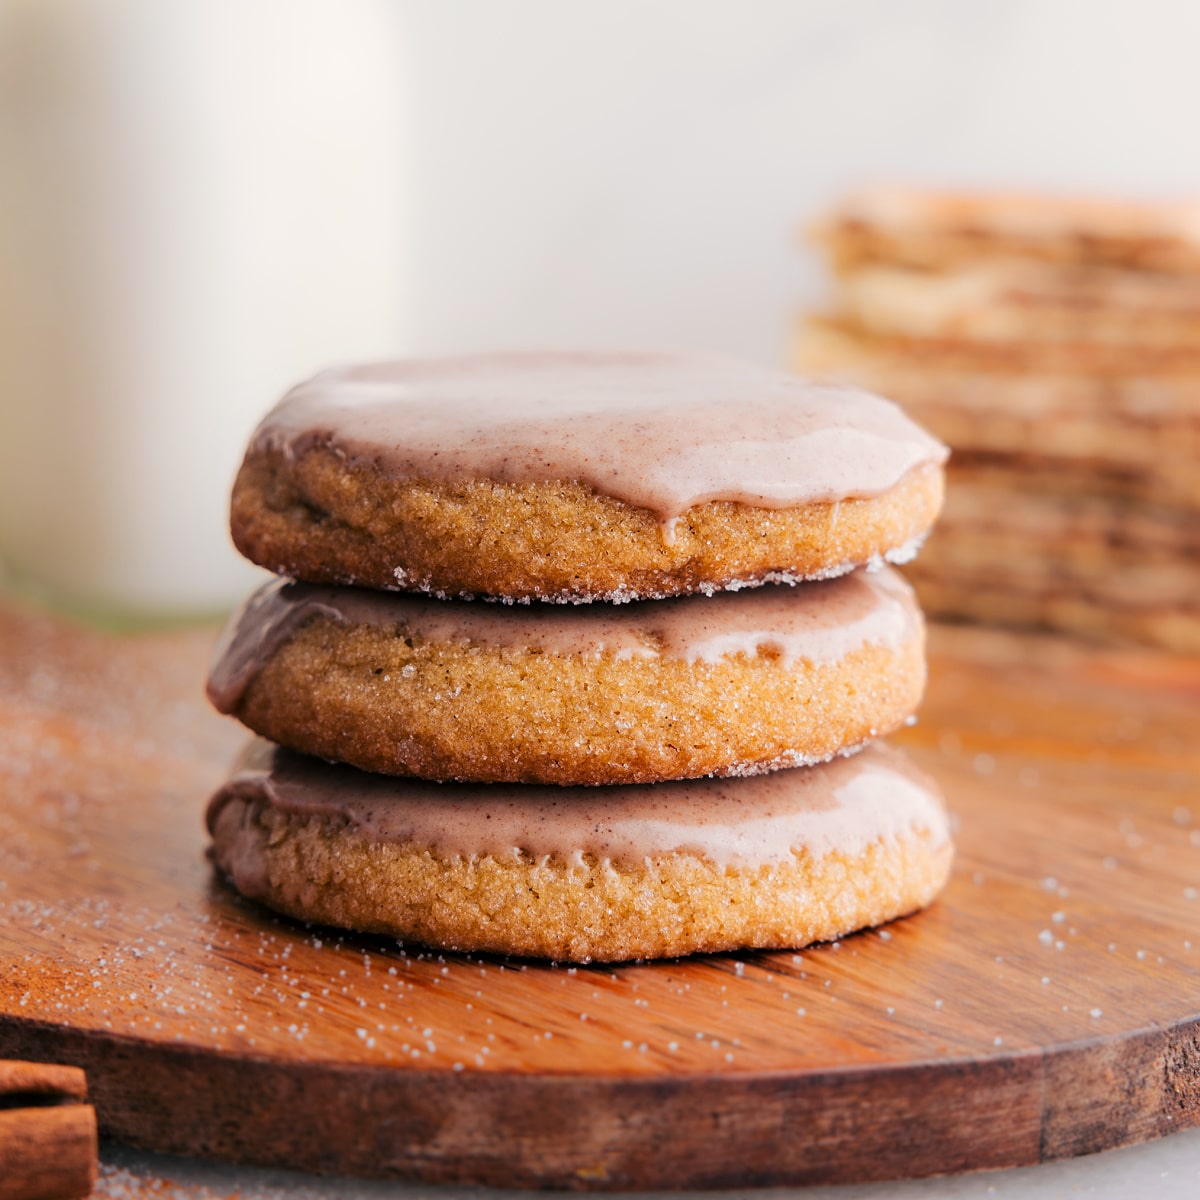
<point>776,861</point>
<point>731,684</point>
<point>573,477</point>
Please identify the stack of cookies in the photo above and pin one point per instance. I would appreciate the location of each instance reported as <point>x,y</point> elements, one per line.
<point>644,749</point>
<point>1055,344</point>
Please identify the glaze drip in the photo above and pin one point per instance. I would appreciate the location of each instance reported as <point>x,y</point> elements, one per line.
<point>656,431</point>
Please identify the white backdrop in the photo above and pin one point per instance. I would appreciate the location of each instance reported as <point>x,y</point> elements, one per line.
<point>204,200</point>
<point>634,171</point>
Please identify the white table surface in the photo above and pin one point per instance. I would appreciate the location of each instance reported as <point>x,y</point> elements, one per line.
<point>1164,1170</point>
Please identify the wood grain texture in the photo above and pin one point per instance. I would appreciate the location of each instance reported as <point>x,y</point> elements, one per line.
<point>1048,1005</point>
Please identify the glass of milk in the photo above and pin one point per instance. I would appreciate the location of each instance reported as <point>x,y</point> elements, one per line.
<point>199,205</point>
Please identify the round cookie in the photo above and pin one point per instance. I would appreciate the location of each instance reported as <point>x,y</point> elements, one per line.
<point>776,861</point>
<point>935,230</point>
<point>584,694</point>
<point>572,477</point>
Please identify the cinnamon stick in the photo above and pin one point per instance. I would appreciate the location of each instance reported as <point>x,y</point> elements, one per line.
<point>47,1135</point>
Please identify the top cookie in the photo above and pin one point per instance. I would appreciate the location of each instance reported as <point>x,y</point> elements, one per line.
<point>574,477</point>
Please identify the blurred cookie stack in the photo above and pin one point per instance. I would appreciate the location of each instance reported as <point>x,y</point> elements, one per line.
<point>1055,344</point>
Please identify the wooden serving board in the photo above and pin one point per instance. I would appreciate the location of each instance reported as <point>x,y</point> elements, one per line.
<point>1047,1006</point>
